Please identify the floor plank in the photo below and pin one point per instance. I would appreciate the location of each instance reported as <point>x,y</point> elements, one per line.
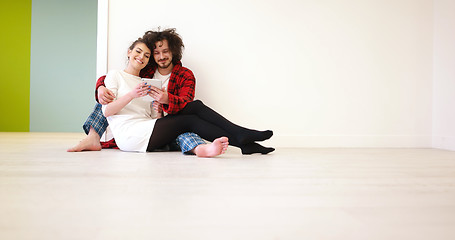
<point>47,193</point>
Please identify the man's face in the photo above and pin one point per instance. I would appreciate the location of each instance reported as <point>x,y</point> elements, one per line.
<point>162,54</point>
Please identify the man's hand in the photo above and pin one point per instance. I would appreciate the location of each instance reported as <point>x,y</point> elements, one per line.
<point>159,95</point>
<point>105,95</point>
<point>158,108</point>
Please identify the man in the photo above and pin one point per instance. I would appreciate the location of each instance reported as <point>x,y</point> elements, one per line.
<point>178,90</point>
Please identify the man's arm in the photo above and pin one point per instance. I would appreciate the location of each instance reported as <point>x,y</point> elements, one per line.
<point>102,94</point>
<point>182,93</point>
<point>99,83</point>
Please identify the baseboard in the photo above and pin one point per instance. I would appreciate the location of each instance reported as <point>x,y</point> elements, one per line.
<point>444,142</point>
<point>372,141</point>
<point>320,141</point>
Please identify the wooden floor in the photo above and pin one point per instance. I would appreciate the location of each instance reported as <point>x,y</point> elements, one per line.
<point>47,193</point>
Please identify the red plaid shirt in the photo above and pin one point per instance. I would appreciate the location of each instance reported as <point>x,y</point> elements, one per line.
<point>180,88</point>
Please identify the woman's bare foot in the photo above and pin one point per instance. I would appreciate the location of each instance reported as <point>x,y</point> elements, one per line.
<point>217,147</point>
<point>89,143</point>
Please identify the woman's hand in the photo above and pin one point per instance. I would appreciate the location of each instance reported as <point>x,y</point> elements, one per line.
<point>115,106</point>
<point>140,90</point>
<point>158,107</point>
<point>105,96</point>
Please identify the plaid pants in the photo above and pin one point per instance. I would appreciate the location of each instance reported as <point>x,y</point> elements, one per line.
<point>96,120</point>
<point>184,142</point>
<point>187,141</point>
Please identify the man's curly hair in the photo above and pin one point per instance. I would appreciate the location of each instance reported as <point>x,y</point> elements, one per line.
<point>174,41</point>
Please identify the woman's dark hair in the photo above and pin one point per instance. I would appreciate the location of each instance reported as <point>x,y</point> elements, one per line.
<point>174,41</point>
<point>140,40</point>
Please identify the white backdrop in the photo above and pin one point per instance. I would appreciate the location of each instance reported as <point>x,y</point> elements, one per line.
<point>331,73</point>
<point>444,75</point>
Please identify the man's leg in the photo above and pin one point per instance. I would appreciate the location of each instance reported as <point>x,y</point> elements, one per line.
<point>94,127</point>
<point>191,143</point>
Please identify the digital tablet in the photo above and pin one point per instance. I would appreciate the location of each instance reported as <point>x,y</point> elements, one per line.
<point>151,82</point>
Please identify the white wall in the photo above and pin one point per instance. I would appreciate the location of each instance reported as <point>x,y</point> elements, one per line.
<point>444,75</point>
<point>351,73</point>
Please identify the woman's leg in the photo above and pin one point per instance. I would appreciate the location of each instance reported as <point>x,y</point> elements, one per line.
<point>168,128</point>
<point>243,135</point>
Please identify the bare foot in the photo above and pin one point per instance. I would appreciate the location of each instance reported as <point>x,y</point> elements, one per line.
<point>89,143</point>
<point>86,145</point>
<point>217,147</point>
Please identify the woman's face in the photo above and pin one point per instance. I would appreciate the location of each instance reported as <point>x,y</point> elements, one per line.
<point>140,55</point>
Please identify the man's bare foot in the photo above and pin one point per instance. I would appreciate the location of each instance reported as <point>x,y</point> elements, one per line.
<point>217,147</point>
<point>89,143</point>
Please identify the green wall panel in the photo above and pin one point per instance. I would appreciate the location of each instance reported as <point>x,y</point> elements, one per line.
<point>15,22</point>
<point>63,64</point>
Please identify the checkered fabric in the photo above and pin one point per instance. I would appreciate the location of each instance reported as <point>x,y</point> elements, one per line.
<point>188,141</point>
<point>180,88</point>
<point>96,120</point>
<point>184,142</point>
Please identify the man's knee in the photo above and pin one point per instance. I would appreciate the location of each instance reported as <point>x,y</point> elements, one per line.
<point>196,104</point>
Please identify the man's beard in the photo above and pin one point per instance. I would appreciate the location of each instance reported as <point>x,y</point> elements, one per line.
<point>164,66</point>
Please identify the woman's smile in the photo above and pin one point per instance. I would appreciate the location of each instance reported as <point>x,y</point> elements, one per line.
<point>139,61</point>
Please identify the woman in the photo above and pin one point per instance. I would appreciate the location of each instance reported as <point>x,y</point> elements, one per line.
<point>134,130</point>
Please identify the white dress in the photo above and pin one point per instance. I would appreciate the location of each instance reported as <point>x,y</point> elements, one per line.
<point>133,125</point>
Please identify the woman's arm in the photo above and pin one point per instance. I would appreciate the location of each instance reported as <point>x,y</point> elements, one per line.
<point>114,107</point>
